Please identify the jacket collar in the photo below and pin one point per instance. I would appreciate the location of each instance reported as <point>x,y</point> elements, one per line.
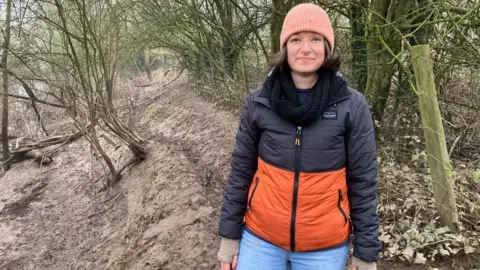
<point>341,95</point>
<point>262,100</point>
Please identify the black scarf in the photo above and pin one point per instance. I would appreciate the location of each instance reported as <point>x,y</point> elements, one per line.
<point>280,90</point>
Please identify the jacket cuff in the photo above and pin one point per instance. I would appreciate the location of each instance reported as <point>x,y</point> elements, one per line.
<point>366,254</point>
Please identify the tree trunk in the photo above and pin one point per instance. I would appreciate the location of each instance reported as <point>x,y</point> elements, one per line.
<point>278,14</point>
<point>359,44</point>
<point>436,147</point>
<point>229,49</point>
<point>380,69</point>
<point>6,47</point>
<point>379,80</point>
<point>114,176</point>
<point>246,82</point>
<point>383,44</point>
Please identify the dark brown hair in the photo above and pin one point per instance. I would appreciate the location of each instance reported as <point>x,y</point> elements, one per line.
<point>332,60</point>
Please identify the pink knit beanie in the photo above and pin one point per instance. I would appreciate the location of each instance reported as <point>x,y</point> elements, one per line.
<point>307,17</point>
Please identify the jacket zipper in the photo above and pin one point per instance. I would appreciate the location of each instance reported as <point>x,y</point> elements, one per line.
<point>340,199</point>
<point>298,151</point>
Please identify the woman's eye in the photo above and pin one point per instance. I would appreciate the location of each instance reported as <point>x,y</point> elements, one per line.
<point>295,40</point>
<point>317,39</point>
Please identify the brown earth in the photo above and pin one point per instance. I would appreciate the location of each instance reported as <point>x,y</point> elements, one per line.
<point>162,215</point>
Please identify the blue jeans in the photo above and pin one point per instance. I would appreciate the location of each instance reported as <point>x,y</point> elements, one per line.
<point>256,253</point>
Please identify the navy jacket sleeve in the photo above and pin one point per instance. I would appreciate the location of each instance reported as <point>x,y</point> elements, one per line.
<point>362,183</point>
<point>242,170</point>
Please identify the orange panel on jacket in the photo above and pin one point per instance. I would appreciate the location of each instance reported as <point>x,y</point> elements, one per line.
<point>322,216</point>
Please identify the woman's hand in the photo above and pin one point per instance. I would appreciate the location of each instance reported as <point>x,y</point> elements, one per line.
<point>228,250</point>
<point>230,265</point>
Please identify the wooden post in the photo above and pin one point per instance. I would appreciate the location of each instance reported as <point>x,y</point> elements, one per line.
<point>440,168</point>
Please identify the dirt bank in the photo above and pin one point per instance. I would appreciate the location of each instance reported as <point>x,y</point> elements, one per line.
<point>163,214</point>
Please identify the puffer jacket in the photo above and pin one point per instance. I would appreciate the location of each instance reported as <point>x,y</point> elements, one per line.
<point>304,188</point>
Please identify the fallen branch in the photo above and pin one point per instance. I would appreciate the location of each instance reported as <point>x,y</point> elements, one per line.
<point>21,155</point>
<point>32,150</point>
<point>38,156</point>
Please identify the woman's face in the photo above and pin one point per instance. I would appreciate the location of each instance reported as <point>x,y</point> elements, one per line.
<point>305,52</point>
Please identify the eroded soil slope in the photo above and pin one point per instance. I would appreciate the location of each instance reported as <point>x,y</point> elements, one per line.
<point>162,215</point>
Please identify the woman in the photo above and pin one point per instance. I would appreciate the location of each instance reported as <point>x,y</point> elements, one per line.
<point>303,171</point>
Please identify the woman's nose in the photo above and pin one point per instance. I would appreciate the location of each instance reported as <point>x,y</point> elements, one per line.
<point>306,47</point>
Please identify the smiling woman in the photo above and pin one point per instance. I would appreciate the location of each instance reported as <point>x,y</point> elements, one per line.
<point>303,170</point>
